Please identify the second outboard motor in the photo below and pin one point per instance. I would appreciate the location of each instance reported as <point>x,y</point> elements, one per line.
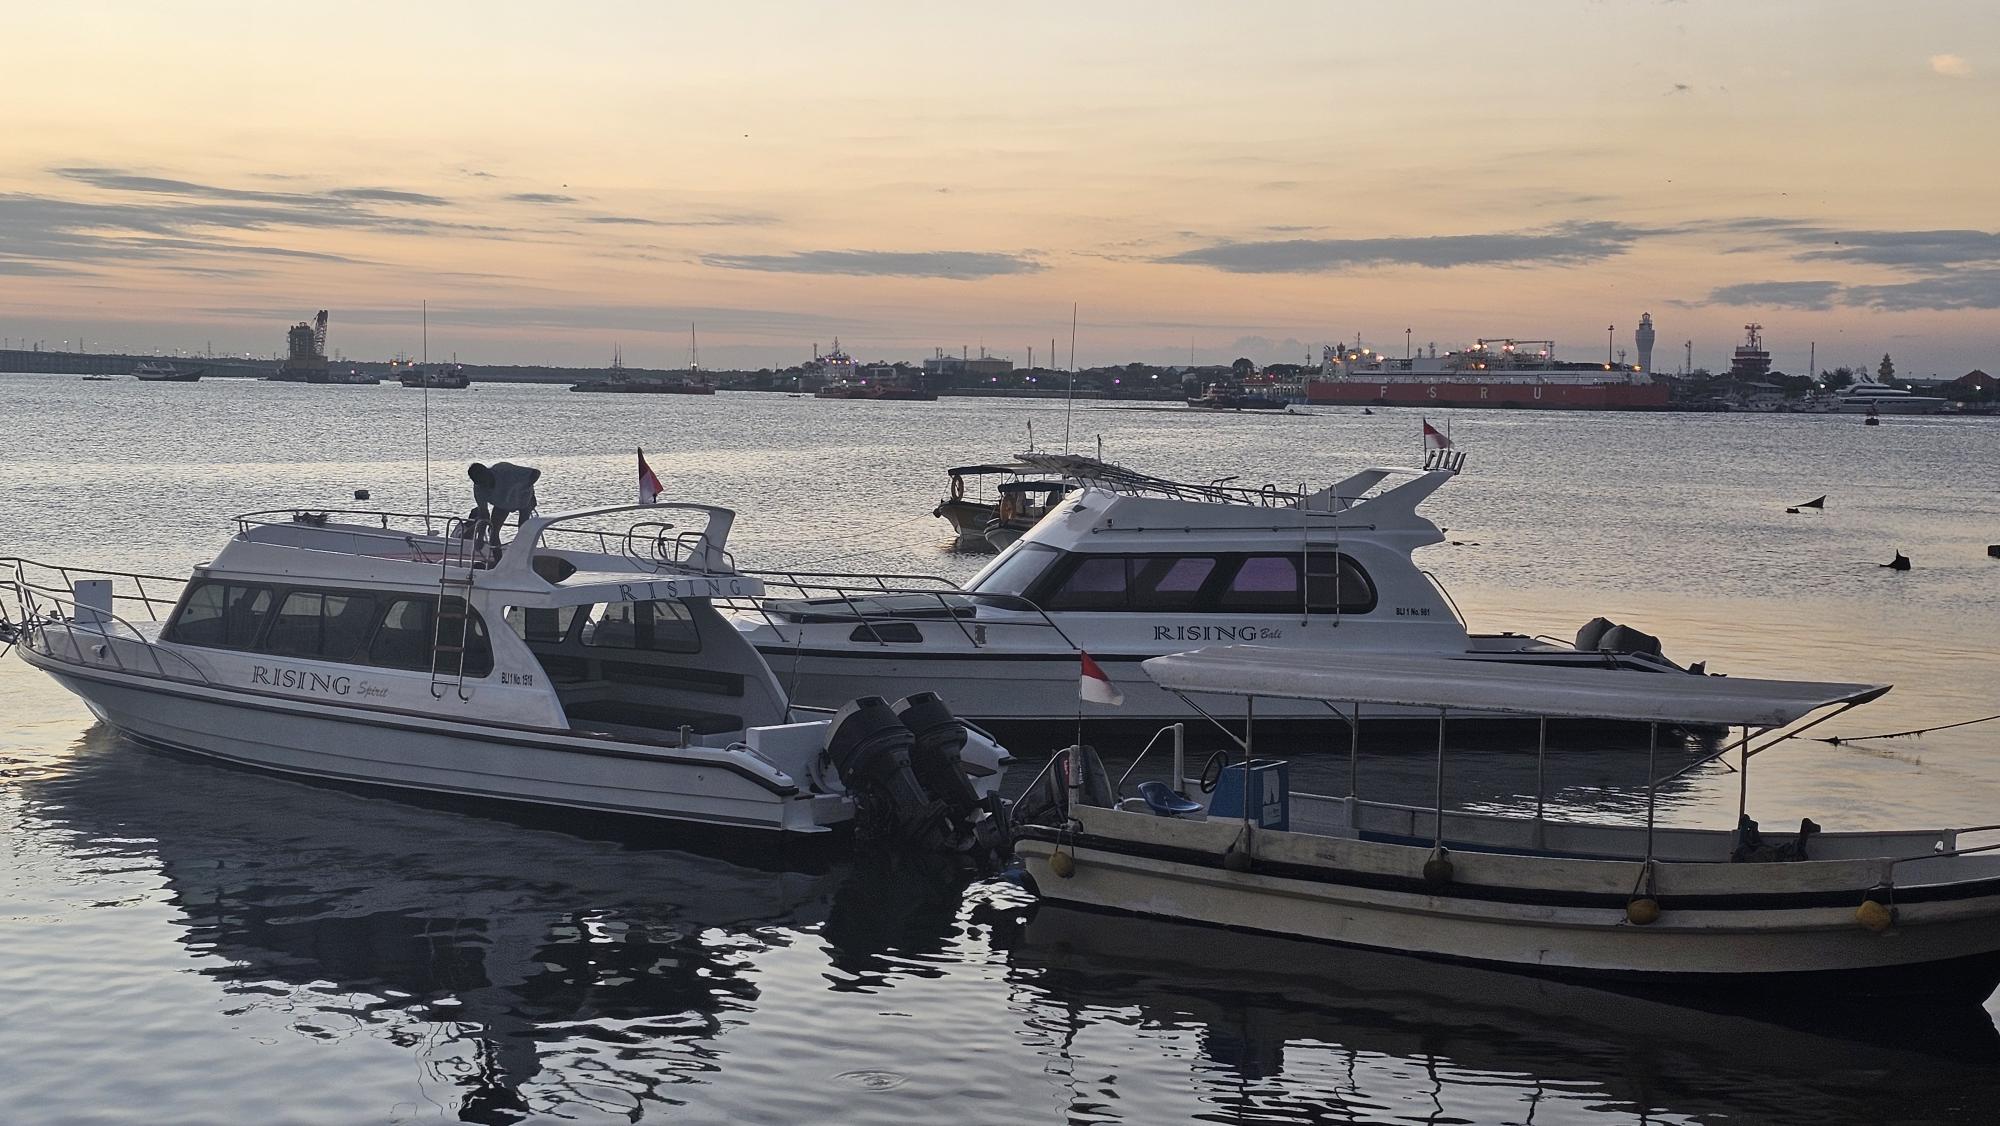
<point>935,758</point>
<point>982,825</point>
<point>870,748</point>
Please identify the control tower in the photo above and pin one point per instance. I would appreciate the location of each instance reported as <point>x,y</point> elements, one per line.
<point>1644,339</point>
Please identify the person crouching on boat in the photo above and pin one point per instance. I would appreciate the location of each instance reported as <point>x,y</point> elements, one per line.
<point>500,490</point>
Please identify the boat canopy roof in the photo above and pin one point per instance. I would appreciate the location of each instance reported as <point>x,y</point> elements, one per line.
<point>979,470</point>
<point>1460,684</point>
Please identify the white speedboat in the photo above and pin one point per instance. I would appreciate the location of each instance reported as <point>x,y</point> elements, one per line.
<point>1850,914</point>
<point>1129,567</point>
<point>1869,397</point>
<point>582,666</point>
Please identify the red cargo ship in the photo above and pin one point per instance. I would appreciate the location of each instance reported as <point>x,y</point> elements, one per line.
<point>1492,373</point>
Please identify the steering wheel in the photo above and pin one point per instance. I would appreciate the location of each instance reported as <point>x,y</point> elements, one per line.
<point>1211,771</point>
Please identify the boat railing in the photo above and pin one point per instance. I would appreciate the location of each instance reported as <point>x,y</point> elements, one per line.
<point>23,577</point>
<point>48,613</point>
<point>852,595</point>
<point>1448,599</point>
<point>415,536</point>
<point>651,543</point>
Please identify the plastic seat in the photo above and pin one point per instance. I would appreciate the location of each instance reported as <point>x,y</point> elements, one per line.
<point>1162,800</point>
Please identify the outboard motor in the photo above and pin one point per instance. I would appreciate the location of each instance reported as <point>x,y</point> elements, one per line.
<point>938,762</point>
<point>870,748</point>
<point>1602,635</point>
<point>935,758</point>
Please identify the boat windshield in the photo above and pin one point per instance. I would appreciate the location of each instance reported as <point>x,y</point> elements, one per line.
<point>1015,571</point>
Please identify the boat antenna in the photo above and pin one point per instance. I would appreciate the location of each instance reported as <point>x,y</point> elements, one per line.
<point>1069,405</point>
<point>424,381</point>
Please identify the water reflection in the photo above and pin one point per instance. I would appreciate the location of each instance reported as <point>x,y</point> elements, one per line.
<point>486,948</point>
<point>1298,1032</point>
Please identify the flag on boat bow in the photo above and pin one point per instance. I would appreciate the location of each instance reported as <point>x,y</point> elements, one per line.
<point>649,485</point>
<point>1097,687</point>
<point>1435,439</point>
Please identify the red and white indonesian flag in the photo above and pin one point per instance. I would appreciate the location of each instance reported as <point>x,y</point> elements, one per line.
<point>1434,439</point>
<point>1096,687</point>
<point>649,485</point>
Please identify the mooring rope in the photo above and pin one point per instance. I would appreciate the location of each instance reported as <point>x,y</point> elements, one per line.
<point>1837,740</point>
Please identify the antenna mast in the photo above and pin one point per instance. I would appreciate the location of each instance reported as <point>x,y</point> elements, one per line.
<point>424,381</point>
<point>1070,404</point>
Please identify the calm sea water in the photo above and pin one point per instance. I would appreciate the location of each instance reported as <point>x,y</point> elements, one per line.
<point>185,943</point>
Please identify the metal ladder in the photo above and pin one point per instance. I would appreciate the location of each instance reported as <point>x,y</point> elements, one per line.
<point>451,609</point>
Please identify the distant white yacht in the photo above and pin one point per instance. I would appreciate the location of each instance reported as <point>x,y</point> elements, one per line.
<point>1881,398</point>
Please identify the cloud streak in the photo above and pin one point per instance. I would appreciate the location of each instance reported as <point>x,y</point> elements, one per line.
<point>1563,244</point>
<point>960,265</point>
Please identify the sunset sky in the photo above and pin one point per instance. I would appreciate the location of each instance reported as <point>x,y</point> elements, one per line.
<point>1241,179</point>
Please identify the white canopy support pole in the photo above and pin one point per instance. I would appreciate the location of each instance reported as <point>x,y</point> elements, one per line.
<point>1438,820</point>
<point>1652,787</point>
<point>1180,756</point>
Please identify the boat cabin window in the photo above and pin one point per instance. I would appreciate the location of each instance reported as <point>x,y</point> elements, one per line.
<point>219,615</point>
<point>660,626</point>
<point>1013,574</point>
<point>326,625</point>
<point>1270,583</point>
<point>410,627</point>
<point>1221,583</point>
<point>549,625</point>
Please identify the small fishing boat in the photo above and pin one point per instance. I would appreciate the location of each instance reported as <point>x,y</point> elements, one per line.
<point>1022,505</point>
<point>1234,397</point>
<point>968,515</point>
<point>150,372</point>
<point>581,666</point>
<point>1900,914</point>
<point>437,377</point>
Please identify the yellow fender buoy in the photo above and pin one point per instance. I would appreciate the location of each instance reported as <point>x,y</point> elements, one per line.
<point>1063,864</point>
<point>1643,911</point>
<point>1875,916</point>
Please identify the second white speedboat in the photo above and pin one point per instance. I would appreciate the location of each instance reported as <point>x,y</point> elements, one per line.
<point>1129,567</point>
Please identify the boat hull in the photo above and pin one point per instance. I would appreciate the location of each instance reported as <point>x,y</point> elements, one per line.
<point>440,756</point>
<point>1943,947</point>
<point>1478,393</point>
<point>968,520</point>
<point>1895,406</point>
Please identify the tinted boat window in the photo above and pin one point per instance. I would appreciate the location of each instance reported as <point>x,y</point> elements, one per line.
<point>1170,583</point>
<point>1337,583</point>
<point>541,624</point>
<point>409,629</point>
<point>322,625</point>
<point>1263,582</point>
<point>1097,582</point>
<point>661,627</point>
<point>221,616</point>
<point>1271,583</point>
<point>1012,574</point>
